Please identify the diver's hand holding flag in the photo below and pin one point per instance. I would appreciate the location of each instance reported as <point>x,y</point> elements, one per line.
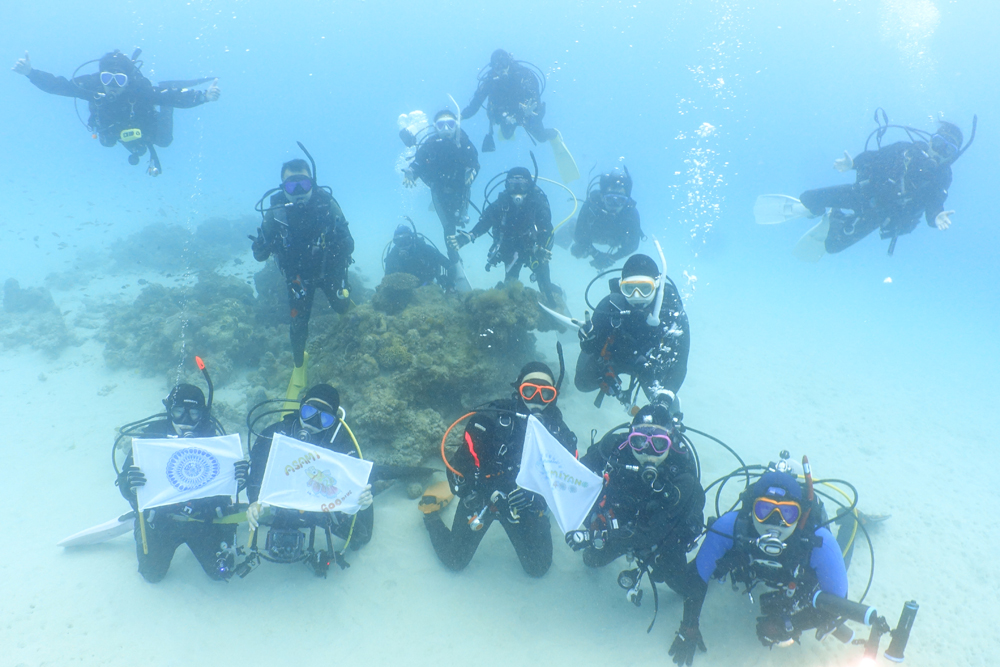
<point>300,476</point>
<point>181,469</point>
<point>569,488</point>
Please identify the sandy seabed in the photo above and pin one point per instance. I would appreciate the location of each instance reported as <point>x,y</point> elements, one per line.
<point>913,429</point>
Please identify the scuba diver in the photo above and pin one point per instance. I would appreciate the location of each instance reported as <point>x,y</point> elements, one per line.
<point>608,217</point>
<point>520,223</point>
<point>640,329</point>
<point>123,103</point>
<point>894,185</point>
<point>305,230</point>
<point>195,522</point>
<point>652,505</point>
<point>448,163</point>
<point>317,421</point>
<point>777,538</point>
<point>482,474</point>
<point>514,90</point>
<point>410,252</point>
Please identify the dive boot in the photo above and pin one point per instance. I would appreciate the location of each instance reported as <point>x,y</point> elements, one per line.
<point>436,498</point>
<point>297,384</point>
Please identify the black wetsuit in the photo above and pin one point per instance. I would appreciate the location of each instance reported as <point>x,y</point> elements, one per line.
<point>619,340</point>
<point>419,258</point>
<point>444,165</point>
<point>313,246</point>
<point>514,99</point>
<point>488,471</point>
<point>595,224</point>
<point>893,187</point>
<point>133,108</point>
<point>658,526</point>
<point>520,235</point>
<point>189,523</point>
<point>283,519</point>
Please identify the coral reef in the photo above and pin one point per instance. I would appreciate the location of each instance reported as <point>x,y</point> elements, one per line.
<point>30,317</point>
<point>165,327</point>
<point>413,359</point>
<point>407,360</point>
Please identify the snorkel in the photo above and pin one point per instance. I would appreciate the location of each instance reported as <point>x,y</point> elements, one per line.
<point>208,379</point>
<point>458,122</point>
<point>562,366</point>
<point>311,160</point>
<point>653,319</point>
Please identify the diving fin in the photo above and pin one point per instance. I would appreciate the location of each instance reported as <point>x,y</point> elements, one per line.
<point>436,497</point>
<point>775,209</point>
<point>568,170</point>
<point>812,246</point>
<point>297,383</point>
<point>102,533</point>
<point>488,144</point>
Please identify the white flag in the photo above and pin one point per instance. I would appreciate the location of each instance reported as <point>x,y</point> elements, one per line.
<point>300,476</point>
<point>181,469</point>
<point>549,470</point>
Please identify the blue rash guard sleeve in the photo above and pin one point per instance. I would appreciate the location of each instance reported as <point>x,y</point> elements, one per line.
<point>828,563</point>
<point>716,545</point>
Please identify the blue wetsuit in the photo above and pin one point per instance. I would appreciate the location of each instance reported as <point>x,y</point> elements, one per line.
<point>809,562</point>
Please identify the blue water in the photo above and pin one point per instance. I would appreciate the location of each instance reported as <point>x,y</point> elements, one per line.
<point>709,104</point>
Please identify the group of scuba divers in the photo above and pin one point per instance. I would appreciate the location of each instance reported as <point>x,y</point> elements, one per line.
<point>651,510</point>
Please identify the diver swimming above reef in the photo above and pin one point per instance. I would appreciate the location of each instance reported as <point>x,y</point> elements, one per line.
<point>608,217</point>
<point>512,90</point>
<point>641,330</point>
<point>123,103</point>
<point>448,163</point>
<point>520,223</point>
<point>305,230</point>
<point>411,252</point>
<point>894,185</point>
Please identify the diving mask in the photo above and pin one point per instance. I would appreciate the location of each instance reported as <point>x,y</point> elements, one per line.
<point>654,438</point>
<point>120,79</point>
<point>297,184</point>
<point>316,419</point>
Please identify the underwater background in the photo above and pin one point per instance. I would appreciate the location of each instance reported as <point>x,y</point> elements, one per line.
<point>888,384</point>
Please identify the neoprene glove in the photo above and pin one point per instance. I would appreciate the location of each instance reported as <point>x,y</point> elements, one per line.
<point>460,239</point>
<point>135,479</point>
<point>687,641</point>
<point>258,242</point>
<point>242,473</point>
<point>521,500</point>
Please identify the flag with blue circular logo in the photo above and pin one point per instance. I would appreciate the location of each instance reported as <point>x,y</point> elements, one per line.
<point>181,469</point>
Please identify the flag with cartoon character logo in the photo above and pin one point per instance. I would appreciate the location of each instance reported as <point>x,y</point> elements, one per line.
<point>300,476</point>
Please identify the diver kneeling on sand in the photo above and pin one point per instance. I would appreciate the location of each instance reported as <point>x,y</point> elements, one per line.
<point>483,471</point>
<point>206,525</point>
<point>778,538</point>
<point>651,504</point>
<point>318,421</point>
